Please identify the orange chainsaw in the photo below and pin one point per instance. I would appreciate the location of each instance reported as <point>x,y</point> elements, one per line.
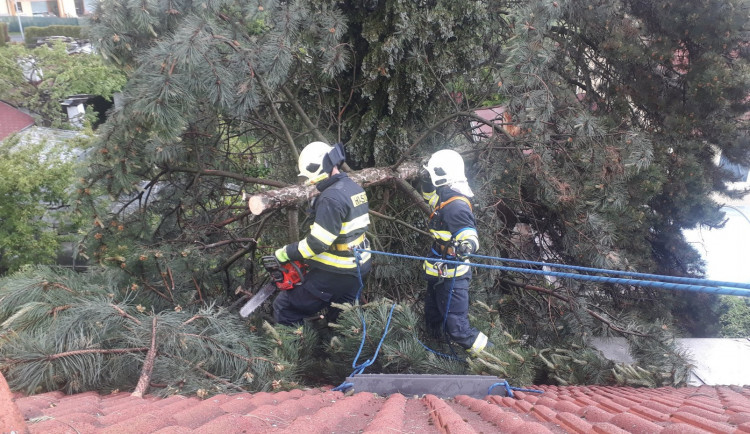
<point>283,277</point>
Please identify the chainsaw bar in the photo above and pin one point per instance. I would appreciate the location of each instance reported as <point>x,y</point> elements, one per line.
<point>258,299</point>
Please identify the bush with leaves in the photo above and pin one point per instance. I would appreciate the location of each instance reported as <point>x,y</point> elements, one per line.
<point>36,195</point>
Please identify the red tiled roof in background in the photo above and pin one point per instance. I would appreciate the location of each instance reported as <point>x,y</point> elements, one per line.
<point>12,120</point>
<point>10,418</point>
<point>571,409</point>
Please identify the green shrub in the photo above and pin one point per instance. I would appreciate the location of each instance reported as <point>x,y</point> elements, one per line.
<point>34,33</point>
<point>735,321</point>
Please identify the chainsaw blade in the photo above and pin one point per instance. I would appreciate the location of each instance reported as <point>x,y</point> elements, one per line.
<point>257,300</point>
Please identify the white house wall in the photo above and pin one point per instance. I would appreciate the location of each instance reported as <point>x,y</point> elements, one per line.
<point>67,8</point>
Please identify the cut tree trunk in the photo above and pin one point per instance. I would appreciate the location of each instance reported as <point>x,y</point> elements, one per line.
<point>292,195</point>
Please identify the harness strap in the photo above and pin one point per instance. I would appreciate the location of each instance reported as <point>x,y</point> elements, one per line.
<point>442,204</point>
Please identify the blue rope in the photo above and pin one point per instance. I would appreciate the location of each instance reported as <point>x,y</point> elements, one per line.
<point>358,369</point>
<point>447,356</point>
<point>690,280</point>
<point>446,335</point>
<point>650,283</point>
<point>509,389</point>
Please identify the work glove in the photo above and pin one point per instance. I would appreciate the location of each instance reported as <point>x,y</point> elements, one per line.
<point>281,255</point>
<point>425,181</point>
<point>464,249</point>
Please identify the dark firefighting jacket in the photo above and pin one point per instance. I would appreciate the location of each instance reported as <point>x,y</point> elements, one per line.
<point>340,221</point>
<point>452,221</point>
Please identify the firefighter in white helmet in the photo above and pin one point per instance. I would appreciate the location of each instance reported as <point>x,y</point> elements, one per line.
<point>453,228</point>
<point>340,220</point>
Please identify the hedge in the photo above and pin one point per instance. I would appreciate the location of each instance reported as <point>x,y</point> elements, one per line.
<point>27,21</point>
<point>34,33</point>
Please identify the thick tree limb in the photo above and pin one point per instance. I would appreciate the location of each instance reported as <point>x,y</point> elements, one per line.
<point>414,194</point>
<point>292,195</point>
<point>148,365</point>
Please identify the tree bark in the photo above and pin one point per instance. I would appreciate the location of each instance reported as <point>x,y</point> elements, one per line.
<point>148,365</point>
<point>292,195</point>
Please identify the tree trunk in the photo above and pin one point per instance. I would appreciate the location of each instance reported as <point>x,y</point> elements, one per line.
<point>292,195</point>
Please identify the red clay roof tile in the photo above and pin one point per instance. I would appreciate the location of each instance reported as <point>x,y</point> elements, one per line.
<point>703,423</point>
<point>745,427</point>
<point>572,409</point>
<point>594,414</point>
<point>634,423</point>
<point>11,419</point>
<point>390,417</point>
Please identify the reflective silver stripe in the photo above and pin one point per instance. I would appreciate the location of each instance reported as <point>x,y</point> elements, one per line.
<point>322,234</point>
<point>340,261</point>
<point>441,235</point>
<point>304,249</point>
<point>360,222</point>
<point>467,234</point>
<point>431,198</point>
<point>479,344</point>
<point>448,273</point>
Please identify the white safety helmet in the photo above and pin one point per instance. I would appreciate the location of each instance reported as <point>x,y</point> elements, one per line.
<point>310,162</point>
<point>446,167</point>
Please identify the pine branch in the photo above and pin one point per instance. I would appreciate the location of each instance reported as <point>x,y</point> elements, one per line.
<point>287,135</point>
<point>292,100</point>
<point>415,197</point>
<point>231,175</point>
<point>401,222</point>
<point>225,242</point>
<point>148,365</point>
<point>568,300</point>
<point>217,378</point>
<point>125,314</point>
<point>11,362</point>
<point>219,347</point>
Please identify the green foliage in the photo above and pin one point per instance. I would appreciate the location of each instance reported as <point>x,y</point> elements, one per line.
<point>89,331</point>
<point>607,158</point>
<point>33,33</point>
<point>38,79</point>
<point>36,192</point>
<point>735,320</point>
<point>36,21</point>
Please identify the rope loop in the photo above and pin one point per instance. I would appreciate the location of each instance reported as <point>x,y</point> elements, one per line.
<point>509,389</point>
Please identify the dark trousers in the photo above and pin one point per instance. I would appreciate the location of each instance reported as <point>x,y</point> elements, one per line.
<point>441,292</point>
<point>318,291</point>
